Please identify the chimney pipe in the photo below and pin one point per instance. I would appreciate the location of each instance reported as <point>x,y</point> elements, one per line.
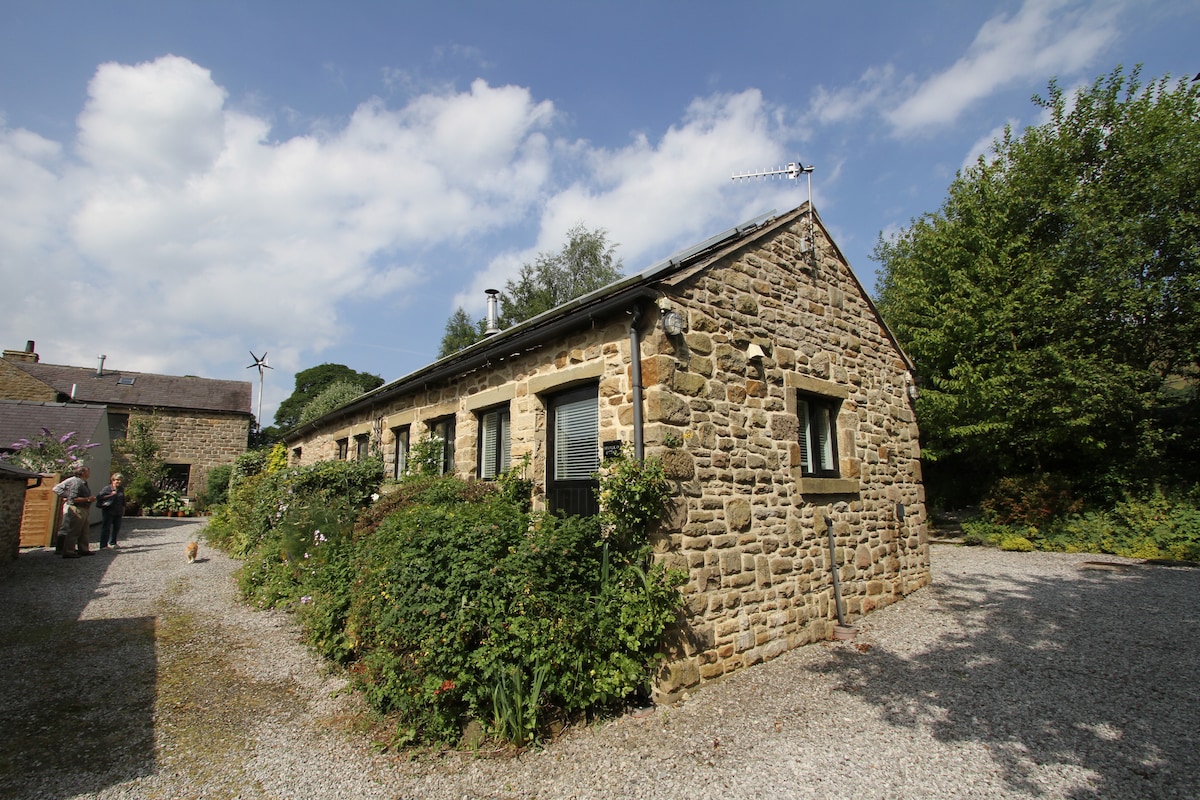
<point>493,317</point>
<point>29,346</point>
<point>100,369</point>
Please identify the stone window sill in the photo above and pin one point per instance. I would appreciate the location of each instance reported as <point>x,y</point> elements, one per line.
<point>828,486</point>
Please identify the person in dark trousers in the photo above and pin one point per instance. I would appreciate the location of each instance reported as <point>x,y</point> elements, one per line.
<point>111,500</point>
<point>77,503</point>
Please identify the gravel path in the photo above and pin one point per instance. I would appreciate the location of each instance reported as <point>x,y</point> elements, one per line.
<point>1016,675</point>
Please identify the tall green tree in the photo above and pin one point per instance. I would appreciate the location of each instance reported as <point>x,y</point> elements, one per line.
<point>1051,304</point>
<point>312,382</point>
<point>586,262</point>
<point>461,332</point>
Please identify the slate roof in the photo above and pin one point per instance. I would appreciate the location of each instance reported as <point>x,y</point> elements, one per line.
<point>21,419</point>
<point>142,389</point>
<point>9,471</point>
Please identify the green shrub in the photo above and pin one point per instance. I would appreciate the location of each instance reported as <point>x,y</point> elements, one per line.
<point>1015,543</point>
<point>259,500</point>
<point>449,600</point>
<point>141,492</point>
<point>248,464</point>
<point>1155,526</point>
<point>1029,500</point>
<point>216,485</point>
<point>458,605</point>
<point>633,496</point>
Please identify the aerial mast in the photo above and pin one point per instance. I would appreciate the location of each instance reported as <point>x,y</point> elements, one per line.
<point>792,172</point>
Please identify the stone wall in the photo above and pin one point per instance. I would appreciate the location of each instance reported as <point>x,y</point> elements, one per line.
<point>20,385</point>
<point>12,504</point>
<point>747,527</point>
<point>200,441</point>
<point>597,355</point>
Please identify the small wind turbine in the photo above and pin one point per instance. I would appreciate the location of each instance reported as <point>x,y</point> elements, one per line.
<point>262,364</point>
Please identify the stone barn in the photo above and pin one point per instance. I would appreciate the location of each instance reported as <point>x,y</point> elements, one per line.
<point>755,365</point>
<point>200,422</point>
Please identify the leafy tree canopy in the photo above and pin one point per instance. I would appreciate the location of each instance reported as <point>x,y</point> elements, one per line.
<point>332,396</point>
<point>1051,303</point>
<point>314,380</point>
<point>586,262</point>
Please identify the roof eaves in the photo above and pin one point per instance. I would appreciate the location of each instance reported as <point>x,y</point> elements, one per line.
<point>534,329</point>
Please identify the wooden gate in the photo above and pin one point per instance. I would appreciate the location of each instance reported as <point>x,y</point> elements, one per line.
<point>43,513</point>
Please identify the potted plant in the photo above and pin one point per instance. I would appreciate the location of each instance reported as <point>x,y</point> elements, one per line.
<point>168,503</point>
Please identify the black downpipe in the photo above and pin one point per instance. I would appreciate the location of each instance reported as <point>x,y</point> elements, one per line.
<point>635,357</point>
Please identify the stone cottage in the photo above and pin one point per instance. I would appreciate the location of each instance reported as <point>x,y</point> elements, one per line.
<point>200,422</point>
<point>757,368</point>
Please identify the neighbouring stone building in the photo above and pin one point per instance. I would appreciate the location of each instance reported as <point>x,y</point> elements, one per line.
<point>756,366</point>
<point>200,422</point>
<point>14,482</point>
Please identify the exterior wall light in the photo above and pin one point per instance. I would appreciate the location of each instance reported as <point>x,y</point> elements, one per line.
<point>672,323</point>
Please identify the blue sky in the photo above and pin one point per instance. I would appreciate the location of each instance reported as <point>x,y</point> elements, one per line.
<point>183,182</point>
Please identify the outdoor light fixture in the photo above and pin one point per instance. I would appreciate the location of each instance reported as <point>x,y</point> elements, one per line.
<point>672,323</point>
<point>755,353</point>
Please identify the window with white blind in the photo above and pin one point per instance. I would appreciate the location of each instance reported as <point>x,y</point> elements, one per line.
<point>574,433</point>
<point>818,436</point>
<point>576,440</point>
<point>495,444</point>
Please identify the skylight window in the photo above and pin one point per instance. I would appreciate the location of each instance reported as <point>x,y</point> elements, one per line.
<point>125,381</point>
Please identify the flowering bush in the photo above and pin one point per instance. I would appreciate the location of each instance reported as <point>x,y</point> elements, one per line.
<point>48,453</point>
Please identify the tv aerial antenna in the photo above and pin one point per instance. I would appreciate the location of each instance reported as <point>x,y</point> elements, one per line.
<point>262,364</point>
<point>792,172</point>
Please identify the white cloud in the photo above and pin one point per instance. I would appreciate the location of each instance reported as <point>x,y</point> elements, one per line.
<point>181,234</point>
<point>865,97</point>
<point>1044,38</point>
<point>654,196</point>
<point>205,234</point>
<point>160,121</point>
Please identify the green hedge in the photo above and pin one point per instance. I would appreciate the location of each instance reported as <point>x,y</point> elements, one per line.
<point>450,601</point>
<point>1157,526</point>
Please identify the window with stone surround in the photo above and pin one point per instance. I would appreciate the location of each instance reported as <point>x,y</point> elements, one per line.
<point>495,444</point>
<point>817,456</point>
<point>444,429</point>
<point>400,460</point>
<point>118,426</point>
<point>362,446</point>
<point>343,447</point>
<point>574,448</point>
<point>818,435</point>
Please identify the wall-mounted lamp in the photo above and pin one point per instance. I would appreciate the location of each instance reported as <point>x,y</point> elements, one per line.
<point>755,353</point>
<point>913,391</point>
<point>672,323</point>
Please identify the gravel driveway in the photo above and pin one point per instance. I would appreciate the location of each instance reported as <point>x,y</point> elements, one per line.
<point>1016,675</point>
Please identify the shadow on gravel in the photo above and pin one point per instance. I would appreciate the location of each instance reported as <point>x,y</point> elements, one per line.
<point>1097,673</point>
<point>77,709</point>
